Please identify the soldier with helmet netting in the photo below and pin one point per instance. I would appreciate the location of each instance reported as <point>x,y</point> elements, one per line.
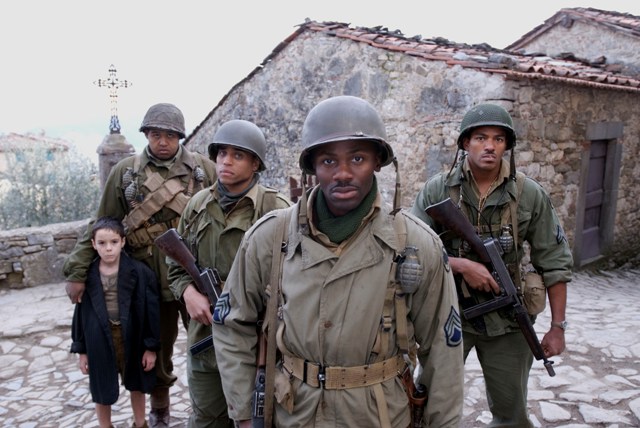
<point>148,192</point>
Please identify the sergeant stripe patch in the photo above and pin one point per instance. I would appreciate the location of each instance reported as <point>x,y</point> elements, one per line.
<point>453,328</point>
<point>222,309</point>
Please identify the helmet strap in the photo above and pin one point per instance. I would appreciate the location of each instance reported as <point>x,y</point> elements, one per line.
<point>397,197</point>
<point>455,161</point>
<point>512,166</point>
<point>303,221</point>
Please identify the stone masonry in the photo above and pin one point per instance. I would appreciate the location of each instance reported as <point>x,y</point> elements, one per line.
<point>34,255</point>
<point>422,102</point>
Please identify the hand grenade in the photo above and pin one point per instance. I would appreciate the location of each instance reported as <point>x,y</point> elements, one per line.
<point>409,272</point>
<point>198,174</point>
<point>130,193</point>
<point>506,239</point>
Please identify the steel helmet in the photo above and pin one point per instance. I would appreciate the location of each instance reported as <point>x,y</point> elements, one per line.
<point>164,116</point>
<point>487,115</point>
<point>242,134</point>
<point>342,118</point>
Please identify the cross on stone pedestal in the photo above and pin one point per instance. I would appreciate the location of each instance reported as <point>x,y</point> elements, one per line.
<point>112,83</point>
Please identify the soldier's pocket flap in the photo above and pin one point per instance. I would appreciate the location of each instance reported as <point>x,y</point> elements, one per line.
<point>535,293</point>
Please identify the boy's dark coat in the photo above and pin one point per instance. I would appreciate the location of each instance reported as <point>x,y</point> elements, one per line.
<point>138,305</point>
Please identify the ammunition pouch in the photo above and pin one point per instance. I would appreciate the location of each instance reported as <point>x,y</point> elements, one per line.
<point>144,236</point>
<point>162,194</point>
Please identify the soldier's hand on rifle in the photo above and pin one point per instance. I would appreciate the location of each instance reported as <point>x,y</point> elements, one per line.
<point>475,274</point>
<point>75,290</point>
<point>198,305</point>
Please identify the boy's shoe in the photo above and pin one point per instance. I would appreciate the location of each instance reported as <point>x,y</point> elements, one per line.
<point>141,426</point>
<point>159,418</point>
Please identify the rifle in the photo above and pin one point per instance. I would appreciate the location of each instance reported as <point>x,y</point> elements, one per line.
<point>207,280</point>
<point>450,216</point>
<point>258,399</point>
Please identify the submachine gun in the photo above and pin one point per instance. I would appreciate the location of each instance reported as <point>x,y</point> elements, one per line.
<point>207,280</point>
<point>450,216</point>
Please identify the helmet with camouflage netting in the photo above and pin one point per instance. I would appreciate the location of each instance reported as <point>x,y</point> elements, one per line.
<point>164,116</point>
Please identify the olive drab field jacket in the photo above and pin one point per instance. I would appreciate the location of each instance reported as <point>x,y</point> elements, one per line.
<point>537,224</point>
<point>331,315</point>
<point>167,186</point>
<point>214,237</point>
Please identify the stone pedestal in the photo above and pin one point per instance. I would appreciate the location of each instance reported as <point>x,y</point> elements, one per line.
<point>113,149</point>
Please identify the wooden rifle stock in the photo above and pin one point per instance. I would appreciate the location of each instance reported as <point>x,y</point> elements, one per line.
<point>206,280</point>
<point>450,216</point>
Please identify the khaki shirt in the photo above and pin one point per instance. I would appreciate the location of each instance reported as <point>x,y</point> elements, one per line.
<point>114,204</point>
<point>332,309</point>
<point>538,225</point>
<point>214,237</point>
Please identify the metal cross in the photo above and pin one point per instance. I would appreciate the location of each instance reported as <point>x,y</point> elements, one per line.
<point>113,84</point>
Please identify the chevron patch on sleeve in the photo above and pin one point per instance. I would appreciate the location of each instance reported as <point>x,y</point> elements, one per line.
<point>453,328</point>
<point>222,309</point>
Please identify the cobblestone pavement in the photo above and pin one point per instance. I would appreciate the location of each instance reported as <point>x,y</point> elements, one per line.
<point>597,382</point>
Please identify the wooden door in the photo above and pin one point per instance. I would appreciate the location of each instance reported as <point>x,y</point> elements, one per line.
<point>594,198</point>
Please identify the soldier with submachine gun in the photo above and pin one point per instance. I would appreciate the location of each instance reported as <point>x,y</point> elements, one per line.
<point>204,245</point>
<point>484,211</point>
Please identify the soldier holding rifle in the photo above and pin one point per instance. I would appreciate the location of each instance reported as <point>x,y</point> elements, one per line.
<point>212,225</point>
<point>512,209</point>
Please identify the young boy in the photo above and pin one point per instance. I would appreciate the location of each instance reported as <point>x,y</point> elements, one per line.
<point>116,326</point>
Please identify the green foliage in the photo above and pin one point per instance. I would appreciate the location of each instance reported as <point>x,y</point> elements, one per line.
<point>41,187</point>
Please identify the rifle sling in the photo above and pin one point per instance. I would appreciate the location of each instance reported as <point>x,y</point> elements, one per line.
<point>272,315</point>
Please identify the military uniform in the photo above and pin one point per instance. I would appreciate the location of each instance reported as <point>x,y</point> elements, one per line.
<point>214,237</point>
<point>188,172</point>
<point>538,225</point>
<point>333,300</point>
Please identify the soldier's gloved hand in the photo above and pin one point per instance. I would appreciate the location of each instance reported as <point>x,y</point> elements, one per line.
<point>198,305</point>
<point>75,290</point>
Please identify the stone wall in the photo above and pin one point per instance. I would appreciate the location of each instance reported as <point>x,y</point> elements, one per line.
<point>422,103</point>
<point>34,255</point>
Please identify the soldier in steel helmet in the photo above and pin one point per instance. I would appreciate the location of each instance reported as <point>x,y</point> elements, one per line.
<point>148,192</point>
<point>353,295</point>
<point>512,208</point>
<point>212,225</point>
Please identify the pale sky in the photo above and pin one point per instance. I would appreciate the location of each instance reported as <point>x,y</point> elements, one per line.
<point>191,53</point>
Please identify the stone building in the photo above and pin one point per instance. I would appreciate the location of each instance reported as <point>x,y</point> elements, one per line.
<point>578,123</point>
<point>610,39</point>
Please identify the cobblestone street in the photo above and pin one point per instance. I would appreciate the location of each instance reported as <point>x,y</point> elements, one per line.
<point>597,382</point>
